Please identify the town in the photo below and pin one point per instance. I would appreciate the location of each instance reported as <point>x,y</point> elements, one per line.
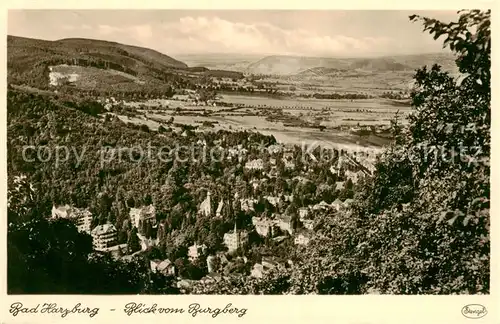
<point>263,216</point>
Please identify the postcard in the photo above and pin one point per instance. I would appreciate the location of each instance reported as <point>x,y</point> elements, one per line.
<point>248,162</point>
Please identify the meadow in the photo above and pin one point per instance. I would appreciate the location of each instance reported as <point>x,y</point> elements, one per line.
<point>294,121</point>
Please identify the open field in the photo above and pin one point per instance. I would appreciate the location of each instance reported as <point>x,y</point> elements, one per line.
<point>87,77</point>
<point>294,121</point>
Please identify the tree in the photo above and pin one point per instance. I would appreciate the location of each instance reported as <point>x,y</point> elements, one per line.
<point>52,257</point>
<point>144,128</point>
<point>46,256</point>
<point>133,243</point>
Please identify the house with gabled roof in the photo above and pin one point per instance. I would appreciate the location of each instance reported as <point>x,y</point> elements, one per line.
<point>195,251</point>
<point>347,203</point>
<point>337,204</point>
<point>165,267</point>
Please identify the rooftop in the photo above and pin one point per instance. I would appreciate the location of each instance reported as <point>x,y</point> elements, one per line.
<point>103,229</point>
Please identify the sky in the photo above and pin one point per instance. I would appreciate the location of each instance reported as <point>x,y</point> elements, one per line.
<point>326,33</point>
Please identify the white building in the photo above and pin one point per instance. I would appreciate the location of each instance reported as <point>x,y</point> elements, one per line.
<point>273,200</point>
<point>165,267</point>
<point>263,226</point>
<point>258,271</point>
<point>146,214</point>
<point>236,153</point>
<point>347,203</point>
<point>354,176</point>
<point>248,204</point>
<point>211,263</point>
<point>146,242</point>
<point>335,170</point>
<point>289,165</point>
<point>82,217</point>
<point>104,236</point>
<point>303,213</point>
<point>308,223</point>
<point>235,239</point>
<point>275,148</point>
<point>255,183</point>
<point>218,212</point>
<point>337,204</point>
<point>257,164</point>
<point>196,250</point>
<point>285,223</point>
<point>321,206</point>
<point>303,238</point>
<point>206,206</point>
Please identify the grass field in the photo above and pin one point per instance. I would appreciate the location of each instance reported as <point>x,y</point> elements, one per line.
<point>302,118</point>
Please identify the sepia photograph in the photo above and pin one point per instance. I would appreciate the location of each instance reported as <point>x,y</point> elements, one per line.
<point>248,152</point>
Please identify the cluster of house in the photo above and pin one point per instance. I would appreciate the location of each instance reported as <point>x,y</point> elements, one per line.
<point>237,152</point>
<point>267,227</point>
<point>214,262</point>
<point>104,236</point>
<point>110,102</point>
<point>363,164</point>
<point>364,169</point>
<point>258,164</point>
<point>371,128</point>
<point>267,264</point>
<point>194,98</point>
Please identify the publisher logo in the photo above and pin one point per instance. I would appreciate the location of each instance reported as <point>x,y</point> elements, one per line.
<point>474,311</point>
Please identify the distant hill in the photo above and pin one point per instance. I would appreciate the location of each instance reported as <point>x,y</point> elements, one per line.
<point>321,71</point>
<point>222,61</point>
<point>289,65</point>
<point>29,61</point>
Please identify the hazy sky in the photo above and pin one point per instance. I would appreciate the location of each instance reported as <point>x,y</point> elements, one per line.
<point>315,33</point>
